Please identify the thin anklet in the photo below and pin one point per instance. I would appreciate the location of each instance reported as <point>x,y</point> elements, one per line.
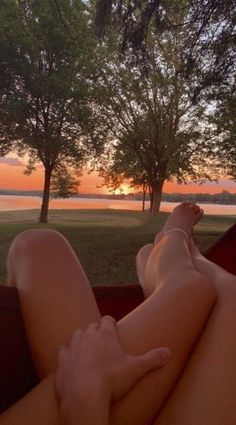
<point>178,230</point>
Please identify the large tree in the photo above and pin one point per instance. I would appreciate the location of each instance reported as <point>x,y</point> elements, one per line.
<point>156,109</point>
<point>48,101</point>
<point>153,122</point>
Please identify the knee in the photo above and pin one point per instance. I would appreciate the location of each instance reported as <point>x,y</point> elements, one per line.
<point>34,240</point>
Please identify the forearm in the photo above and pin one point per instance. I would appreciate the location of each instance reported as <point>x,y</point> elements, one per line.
<point>89,409</point>
<point>39,407</point>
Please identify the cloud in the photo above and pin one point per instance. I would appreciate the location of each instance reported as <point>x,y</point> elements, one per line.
<point>13,162</point>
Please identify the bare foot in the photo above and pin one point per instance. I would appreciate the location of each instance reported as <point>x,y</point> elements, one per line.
<point>184,217</point>
<point>170,258</point>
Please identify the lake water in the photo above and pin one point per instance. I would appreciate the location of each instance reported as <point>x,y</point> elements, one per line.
<point>11,203</point>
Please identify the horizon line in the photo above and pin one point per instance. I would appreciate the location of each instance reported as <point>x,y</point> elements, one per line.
<point>120,194</point>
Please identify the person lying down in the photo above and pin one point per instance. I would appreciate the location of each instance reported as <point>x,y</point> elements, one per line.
<point>171,361</point>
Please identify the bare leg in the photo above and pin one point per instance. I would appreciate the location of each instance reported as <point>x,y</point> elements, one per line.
<point>153,324</point>
<point>38,407</point>
<point>211,270</point>
<point>55,294</point>
<point>184,217</point>
<point>205,394</point>
<point>141,262</point>
<point>206,391</point>
<point>172,281</point>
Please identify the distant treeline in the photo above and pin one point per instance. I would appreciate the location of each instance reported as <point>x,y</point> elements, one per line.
<point>14,192</point>
<point>223,197</point>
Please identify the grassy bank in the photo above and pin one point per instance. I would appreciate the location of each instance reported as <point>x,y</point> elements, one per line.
<point>106,241</point>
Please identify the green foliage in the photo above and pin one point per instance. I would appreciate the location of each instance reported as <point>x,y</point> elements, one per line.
<point>156,110</point>
<point>5,147</point>
<point>47,100</point>
<point>152,122</point>
<point>64,184</point>
<point>134,20</point>
<point>49,59</point>
<point>63,95</point>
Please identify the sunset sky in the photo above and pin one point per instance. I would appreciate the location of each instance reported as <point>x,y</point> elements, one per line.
<point>12,177</point>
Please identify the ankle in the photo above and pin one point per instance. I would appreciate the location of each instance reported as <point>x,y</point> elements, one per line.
<point>179,230</point>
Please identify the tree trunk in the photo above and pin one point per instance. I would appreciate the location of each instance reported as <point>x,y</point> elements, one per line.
<point>156,197</point>
<point>144,199</point>
<point>46,192</point>
<point>151,199</point>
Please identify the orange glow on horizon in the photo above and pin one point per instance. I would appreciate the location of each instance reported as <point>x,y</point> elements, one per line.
<point>12,177</point>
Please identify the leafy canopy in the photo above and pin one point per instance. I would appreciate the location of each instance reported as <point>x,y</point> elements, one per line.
<point>47,100</point>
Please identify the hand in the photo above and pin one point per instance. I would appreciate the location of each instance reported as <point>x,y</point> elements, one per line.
<point>95,362</point>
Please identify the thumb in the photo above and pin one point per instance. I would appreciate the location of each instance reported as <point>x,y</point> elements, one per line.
<point>154,359</point>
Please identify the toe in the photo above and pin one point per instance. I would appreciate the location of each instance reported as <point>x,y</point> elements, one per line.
<point>188,204</point>
<point>196,208</point>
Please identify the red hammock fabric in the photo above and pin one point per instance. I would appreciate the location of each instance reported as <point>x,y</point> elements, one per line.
<point>17,371</point>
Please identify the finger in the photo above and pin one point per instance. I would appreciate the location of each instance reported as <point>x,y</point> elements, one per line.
<point>76,334</point>
<point>93,327</point>
<point>154,359</point>
<point>75,339</point>
<point>62,351</point>
<point>61,354</point>
<point>107,322</point>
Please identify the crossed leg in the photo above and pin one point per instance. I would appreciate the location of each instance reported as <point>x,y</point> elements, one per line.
<point>205,394</point>
<point>60,300</point>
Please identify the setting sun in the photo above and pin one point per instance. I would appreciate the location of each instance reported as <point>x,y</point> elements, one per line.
<point>124,189</point>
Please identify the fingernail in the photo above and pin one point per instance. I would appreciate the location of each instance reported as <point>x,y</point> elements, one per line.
<point>165,355</point>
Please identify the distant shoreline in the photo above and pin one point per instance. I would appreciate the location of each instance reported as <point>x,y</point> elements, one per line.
<point>221,198</point>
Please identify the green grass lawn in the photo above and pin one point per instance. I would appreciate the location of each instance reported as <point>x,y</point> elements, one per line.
<point>106,241</point>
